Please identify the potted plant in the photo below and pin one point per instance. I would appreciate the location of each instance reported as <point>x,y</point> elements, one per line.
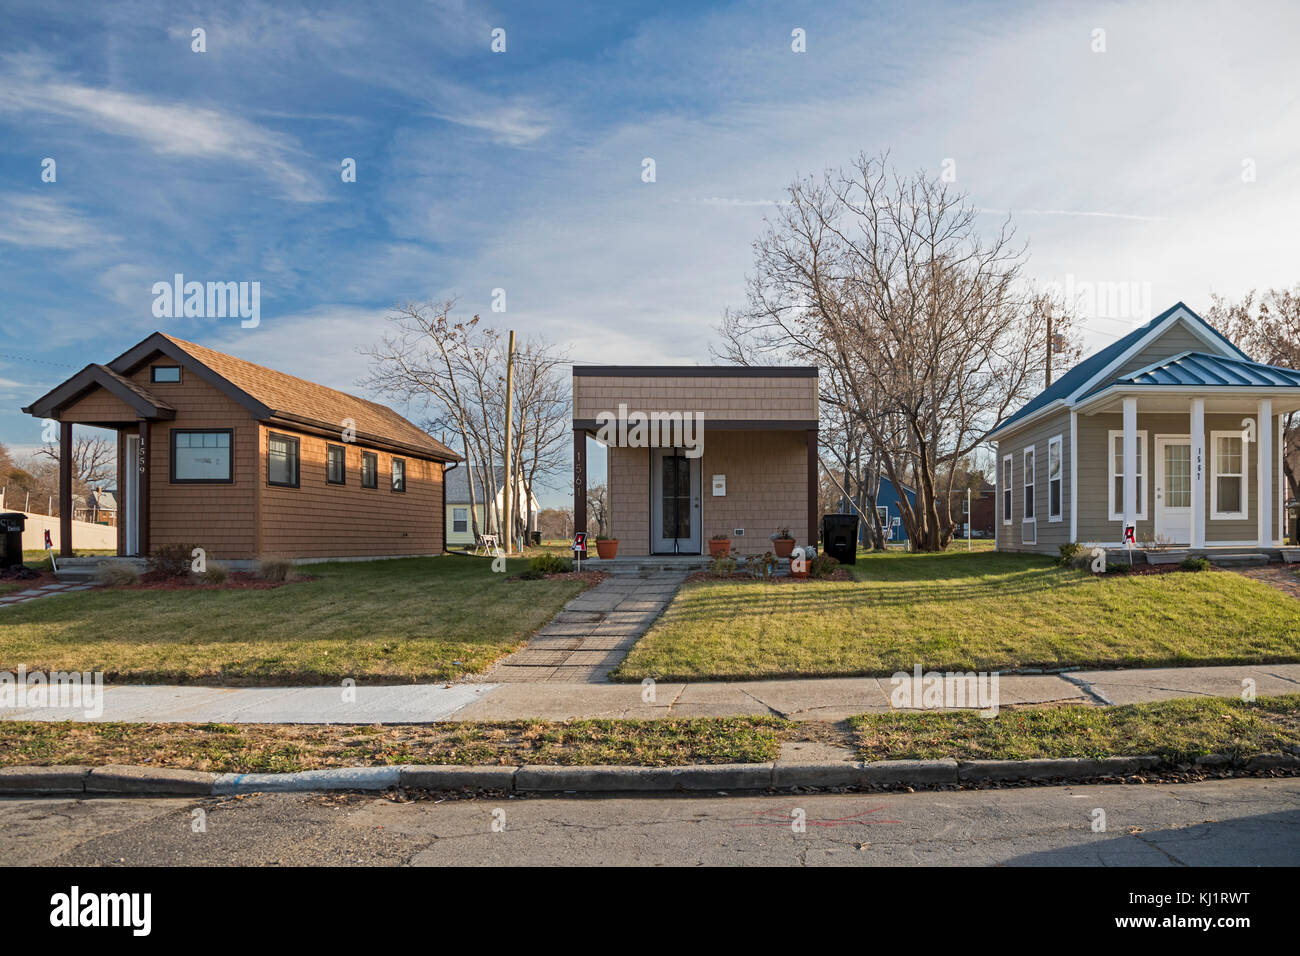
<point>719,545</point>
<point>783,542</point>
<point>1160,550</point>
<point>606,548</point>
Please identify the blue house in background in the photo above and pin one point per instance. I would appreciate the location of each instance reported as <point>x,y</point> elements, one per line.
<point>890,514</point>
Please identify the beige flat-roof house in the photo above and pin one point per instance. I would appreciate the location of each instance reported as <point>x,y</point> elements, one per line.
<point>696,451</point>
<point>1172,431</point>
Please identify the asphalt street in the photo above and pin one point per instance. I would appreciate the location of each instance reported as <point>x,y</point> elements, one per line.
<point>1228,822</point>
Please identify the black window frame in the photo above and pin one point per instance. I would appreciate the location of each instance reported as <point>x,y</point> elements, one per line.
<point>153,375</point>
<point>297,460</point>
<point>392,469</point>
<point>374,474</point>
<point>329,447</point>
<point>171,455</point>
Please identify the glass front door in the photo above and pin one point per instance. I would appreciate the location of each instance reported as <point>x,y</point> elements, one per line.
<point>675,502</point>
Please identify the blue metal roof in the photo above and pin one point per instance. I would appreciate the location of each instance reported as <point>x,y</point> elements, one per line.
<point>1202,370</point>
<point>1078,376</point>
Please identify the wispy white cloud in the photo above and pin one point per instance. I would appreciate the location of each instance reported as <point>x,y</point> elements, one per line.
<point>29,85</point>
<point>43,222</point>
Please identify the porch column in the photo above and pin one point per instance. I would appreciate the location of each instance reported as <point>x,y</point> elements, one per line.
<point>1264,455</point>
<point>580,482</point>
<point>65,489</point>
<point>1198,472</point>
<point>1130,463</point>
<point>145,472</point>
<point>812,487</point>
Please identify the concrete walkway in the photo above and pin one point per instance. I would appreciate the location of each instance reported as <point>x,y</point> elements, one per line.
<point>40,591</point>
<point>827,699</point>
<point>593,633</point>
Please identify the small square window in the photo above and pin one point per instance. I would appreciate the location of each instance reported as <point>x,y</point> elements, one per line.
<point>164,373</point>
<point>399,475</point>
<point>369,470</point>
<point>336,464</point>
<point>282,461</point>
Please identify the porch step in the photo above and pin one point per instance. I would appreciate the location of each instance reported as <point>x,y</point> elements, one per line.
<point>1245,559</point>
<point>83,570</point>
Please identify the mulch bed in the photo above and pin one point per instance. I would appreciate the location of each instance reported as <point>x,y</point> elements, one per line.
<point>18,574</point>
<point>839,574</point>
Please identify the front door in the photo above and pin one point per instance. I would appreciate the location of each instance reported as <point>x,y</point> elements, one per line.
<point>129,506</point>
<point>674,502</point>
<point>1174,488</point>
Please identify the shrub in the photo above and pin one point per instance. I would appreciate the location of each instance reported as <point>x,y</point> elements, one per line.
<point>532,574</point>
<point>1070,552</point>
<point>275,569</point>
<point>110,574</point>
<point>762,565</point>
<point>1195,564</point>
<point>171,560</point>
<point>550,564</point>
<point>822,566</point>
<point>215,574</point>
<point>724,563</point>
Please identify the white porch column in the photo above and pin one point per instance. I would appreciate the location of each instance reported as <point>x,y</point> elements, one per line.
<point>1130,463</point>
<point>1264,461</point>
<point>1198,472</point>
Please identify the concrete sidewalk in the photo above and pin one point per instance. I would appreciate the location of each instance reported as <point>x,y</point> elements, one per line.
<point>822,699</point>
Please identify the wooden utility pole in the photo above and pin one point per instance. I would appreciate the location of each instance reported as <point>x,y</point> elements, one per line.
<point>1050,345</point>
<point>510,396</point>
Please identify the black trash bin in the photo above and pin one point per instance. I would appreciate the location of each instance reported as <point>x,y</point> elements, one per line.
<point>840,537</point>
<point>11,538</point>
<point>537,537</point>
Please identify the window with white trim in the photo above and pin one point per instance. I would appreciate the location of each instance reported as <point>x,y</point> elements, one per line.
<point>1055,479</point>
<point>1115,472</point>
<point>1006,489</point>
<point>459,520</point>
<point>1029,483</point>
<point>1229,493</point>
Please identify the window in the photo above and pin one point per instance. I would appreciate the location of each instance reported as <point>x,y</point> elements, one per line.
<point>459,520</point>
<point>369,470</point>
<point>399,475</point>
<point>1029,484</point>
<point>336,465</point>
<point>1006,489</point>
<point>200,456</point>
<point>1054,478</point>
<point>281,460</point>
<point>1115,470</point>
<point>164,373</point>
<point>1228,495</point>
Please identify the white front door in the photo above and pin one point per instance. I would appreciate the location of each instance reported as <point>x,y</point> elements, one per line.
<point>130,504</point>
<point>674,502</point>
<point>1174,488</point>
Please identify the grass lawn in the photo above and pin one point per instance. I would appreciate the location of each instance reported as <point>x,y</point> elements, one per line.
<point>276,748</point>
<point>1174,729</point>
<point>401,621</point>
<point>960,611</point>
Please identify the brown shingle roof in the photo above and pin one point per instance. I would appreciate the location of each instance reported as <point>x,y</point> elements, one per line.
<point>293,397</point>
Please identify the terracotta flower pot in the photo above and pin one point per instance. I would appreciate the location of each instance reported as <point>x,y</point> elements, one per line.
<point>799,574</point>
<point>607,549</point>
<point>719,549</point>
<point>783,547</point>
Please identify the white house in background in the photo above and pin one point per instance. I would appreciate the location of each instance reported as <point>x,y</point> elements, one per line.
<point>460,529</point>
<point>1172,430</point>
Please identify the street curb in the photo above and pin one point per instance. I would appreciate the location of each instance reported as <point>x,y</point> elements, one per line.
<point>538,779</point>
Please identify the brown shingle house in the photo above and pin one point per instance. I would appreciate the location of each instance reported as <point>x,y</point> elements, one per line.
<point>695,451</point>
<point>244,461</point>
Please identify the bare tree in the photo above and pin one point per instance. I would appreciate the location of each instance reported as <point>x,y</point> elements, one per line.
<point>598,508</point>
<point>94,461</point>
<point>925,331</point>
<point>1267,328</point>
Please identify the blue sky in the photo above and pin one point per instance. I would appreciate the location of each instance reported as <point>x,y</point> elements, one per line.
<point>522,170</point>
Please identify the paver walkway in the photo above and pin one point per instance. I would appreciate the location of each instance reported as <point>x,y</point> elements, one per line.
<point>593,633</point>
<point>1281,576</point>
<point>40,591</point>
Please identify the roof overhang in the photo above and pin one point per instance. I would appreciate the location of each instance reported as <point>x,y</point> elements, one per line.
<point>1177,398</point>
<point>91,377</point>
<point>330,430</point>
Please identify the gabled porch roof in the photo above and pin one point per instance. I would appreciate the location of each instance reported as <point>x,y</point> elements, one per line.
<point>145,404</point>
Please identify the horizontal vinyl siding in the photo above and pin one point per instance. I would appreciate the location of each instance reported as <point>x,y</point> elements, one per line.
<point>1051,534</point>
<point>318,519</point>
<point>1094,522</point>
<point>220,518</point>
<point>1176,340</point>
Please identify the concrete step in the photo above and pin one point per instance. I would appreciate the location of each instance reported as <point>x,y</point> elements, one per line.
<point>83,569</point>
<point>1246,559</point>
